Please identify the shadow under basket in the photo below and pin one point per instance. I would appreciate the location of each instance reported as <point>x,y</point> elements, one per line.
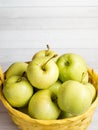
<point>81,122</point>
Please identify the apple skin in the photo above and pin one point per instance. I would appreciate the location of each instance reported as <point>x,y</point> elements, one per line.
<point>54,88</point>
<point>17,90</point>
<point>45,53</point>
<point>42,107</point>
<point>17,68</point>
<point>72,67</point>
<point>74,97</point>
<point>92,90</point>
<point>41,74</point>
<point>65,114</point>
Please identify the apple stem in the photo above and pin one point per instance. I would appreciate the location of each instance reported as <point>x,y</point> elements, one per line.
<point>48,47</point>
<point>48,50</point>
<point>43,67</point>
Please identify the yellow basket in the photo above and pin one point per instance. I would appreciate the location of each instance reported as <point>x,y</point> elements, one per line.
<point>81,122</point>
<point>1,76</point>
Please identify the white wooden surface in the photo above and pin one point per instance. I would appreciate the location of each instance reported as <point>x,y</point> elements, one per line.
<point>66,25</point>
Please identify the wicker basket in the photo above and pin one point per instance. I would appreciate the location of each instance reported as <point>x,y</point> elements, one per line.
<point>81,122</point>
<point>1,76</point>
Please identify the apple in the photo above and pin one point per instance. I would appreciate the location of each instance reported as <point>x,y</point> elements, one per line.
<point>17,90</point>
<point>45,53</point>
<point>92,90</point>
<point>1,76</point>
<point>42,72</point>
<point>41,106</point>
<point>17,68</point>
<point>54,88</point>
<point>65,114</point>
<point>72,67</point>
<point>74,97</point>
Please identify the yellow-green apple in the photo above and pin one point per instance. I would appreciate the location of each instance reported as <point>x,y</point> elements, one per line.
<point>54,88</point>
<point>65,114</point>
<point>72,67</point>
<point>42,72</point>
<point>92,90</point>
<point>74,97</point>
<point>17,68</point>
<point>41,106</point>
<point>17,90</point>
<point>45,53</point>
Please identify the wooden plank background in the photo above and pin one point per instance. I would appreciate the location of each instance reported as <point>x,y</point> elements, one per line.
<point>26,26</point>
<point>61,23</point>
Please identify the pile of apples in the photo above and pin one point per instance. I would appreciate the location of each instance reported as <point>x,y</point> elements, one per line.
<point>50,86</point>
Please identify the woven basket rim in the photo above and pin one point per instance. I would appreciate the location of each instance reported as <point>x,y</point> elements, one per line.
<point>45,122</point>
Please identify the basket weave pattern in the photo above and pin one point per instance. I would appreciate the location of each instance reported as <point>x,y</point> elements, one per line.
<point>81,122</point>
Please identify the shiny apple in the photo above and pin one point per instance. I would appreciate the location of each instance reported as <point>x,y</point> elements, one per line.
<point>42,72</point>
<point>74,97</point>
<point>54,88</point>
<point>17,91</point>
<point>41,106</point>
<point>16,68</point>
<point>92,90</point>
<point>72,67</point>
<point>47,53</point>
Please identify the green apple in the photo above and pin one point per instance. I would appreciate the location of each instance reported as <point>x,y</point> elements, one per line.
<point>42,72</point>
<point>65,114</point>
<point>92,90</point>
<point>72,67</point>
<point>45,53</point>
<point>74,97</point>
<point>17,90</point>
<point>54,88</point>
<point>17,68</point>
<point>41,106</point>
